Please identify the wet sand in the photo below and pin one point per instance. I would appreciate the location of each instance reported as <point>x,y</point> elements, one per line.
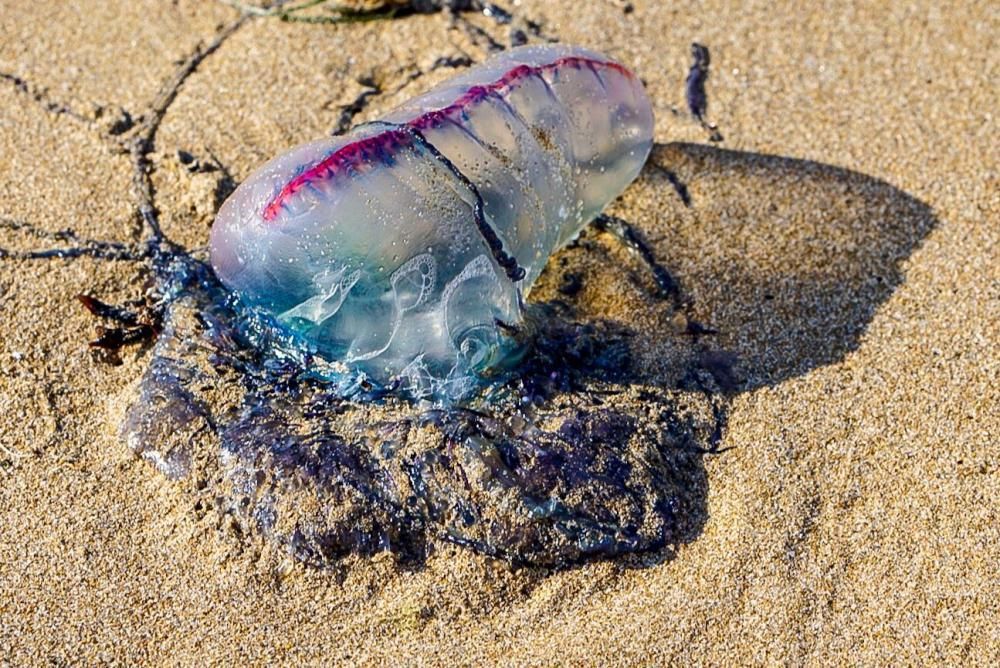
<point>843,239</point>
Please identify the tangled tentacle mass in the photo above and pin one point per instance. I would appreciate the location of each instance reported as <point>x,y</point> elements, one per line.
<point>548,466</point>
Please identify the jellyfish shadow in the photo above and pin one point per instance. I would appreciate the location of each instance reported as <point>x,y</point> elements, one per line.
<point>783,261</point>
<point>787,259</point>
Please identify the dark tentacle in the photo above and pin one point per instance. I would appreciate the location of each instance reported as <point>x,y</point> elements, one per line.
<point>622,230</point>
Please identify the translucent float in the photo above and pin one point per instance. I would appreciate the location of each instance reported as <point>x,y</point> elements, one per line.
<point>404,250</point>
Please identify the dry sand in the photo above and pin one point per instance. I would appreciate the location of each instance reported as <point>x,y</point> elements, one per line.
<point>843,238</point>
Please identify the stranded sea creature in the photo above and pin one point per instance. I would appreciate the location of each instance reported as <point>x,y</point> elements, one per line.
<point>577,454</point>
<point>404,249</point>
<point>403,253</point>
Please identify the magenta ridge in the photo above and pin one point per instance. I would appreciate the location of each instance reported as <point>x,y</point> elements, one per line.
<point>360,152</point>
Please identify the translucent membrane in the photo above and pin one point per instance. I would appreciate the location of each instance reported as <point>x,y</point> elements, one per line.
<point>404,249</point>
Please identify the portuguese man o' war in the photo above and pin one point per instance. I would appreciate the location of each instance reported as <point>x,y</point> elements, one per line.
<point>354,274</point>
<point>408,249</point>
<point>404,249</point>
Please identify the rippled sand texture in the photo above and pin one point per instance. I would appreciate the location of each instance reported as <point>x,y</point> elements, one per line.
<point>842,240</point>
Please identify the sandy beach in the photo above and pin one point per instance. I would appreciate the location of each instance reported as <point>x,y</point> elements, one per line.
<point>843,239</point>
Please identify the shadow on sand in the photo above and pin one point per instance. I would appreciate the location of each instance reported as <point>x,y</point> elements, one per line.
<point>787,260</point>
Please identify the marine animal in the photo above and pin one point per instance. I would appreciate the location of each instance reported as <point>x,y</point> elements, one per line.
<point>404,250</point>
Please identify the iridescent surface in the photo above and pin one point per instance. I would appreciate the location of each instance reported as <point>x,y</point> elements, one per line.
<point>405,249</point>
